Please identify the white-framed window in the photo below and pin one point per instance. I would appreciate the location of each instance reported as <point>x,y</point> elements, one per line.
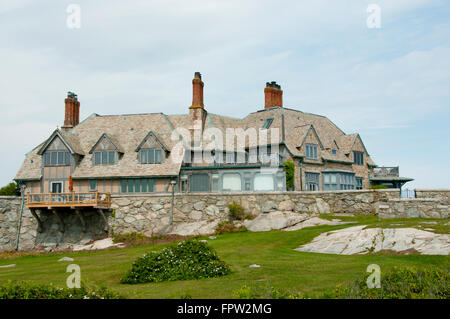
<point>312,181</point>
<point>311,151</point>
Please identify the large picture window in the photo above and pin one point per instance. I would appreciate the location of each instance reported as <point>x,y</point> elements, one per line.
<point>338,181</point>
<point>199,183</point>
<point>231,182</point>
<point>263,182</point>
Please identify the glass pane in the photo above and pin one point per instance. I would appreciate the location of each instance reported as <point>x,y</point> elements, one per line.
<point>232,182</point>
<point>130,186</point>
<point>144,156</point>
<point>124,185</point>
<point>47,159</point>
<point>137,186</point>
<point>60,158</point>
<point>67,158</point>
<point>263,182</point>
<point>111,155</point>
<point>151,185</point>
<point>151,156</point>
<point>158,156</point>
<point>92,185</point>
<point>144,185</point>
<point>333,178</point>
<point>97,158</point>
<point>104,157</point>
<point>199,183</point>
<point>53,158</point>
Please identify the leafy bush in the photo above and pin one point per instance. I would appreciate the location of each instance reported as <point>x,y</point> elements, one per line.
<point>289,168</point>
<point>400,283</point>
<point>269,292</point>
<point>185,260</point>
<point>30,290</point>
<point>12,189</point>
<point>378,187</point>
<point>226,227</point>
<point>236,211</point>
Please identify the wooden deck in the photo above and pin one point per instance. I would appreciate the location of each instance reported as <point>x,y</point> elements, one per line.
<point>72,200</point>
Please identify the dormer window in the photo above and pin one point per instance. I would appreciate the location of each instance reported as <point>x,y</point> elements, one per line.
<point>104,157</point>
<point>150,156</point>
<point>333,152</point>
<point>358,158</point>
<point>267,123</point>
<point>311,151</point>
<point>56,158</point>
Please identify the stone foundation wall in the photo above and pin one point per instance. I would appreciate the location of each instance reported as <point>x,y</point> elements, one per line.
<point>413,208</point>
<point>442,195</point>
<point>193,214</point>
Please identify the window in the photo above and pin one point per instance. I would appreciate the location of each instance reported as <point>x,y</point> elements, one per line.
<point>263,182</point>
<point>104,157</point>
<point>358,158</point>
<point>312,181</point>
<point>334,152</point>
<point>338,181</point>
<point>92,185</point>
<point>231,182</point>
<point>267,123</point>
<point>215,182</point>
<point>247,182</point>
<point>359,182</point>
<point>56,158</point>
<point>137,185</point>
<point>311,151</point>
<point>150,156</point>
<point>199,183</point>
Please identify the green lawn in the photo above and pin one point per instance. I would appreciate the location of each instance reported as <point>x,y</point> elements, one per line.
<point>281,266</point>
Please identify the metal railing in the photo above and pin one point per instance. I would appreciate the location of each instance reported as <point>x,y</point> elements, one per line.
<point>94,199</point>
<point>386,171</point>
<point>407,193</point>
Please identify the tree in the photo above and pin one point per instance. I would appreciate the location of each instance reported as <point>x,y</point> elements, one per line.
<point>12,189</point>
<point>289,168</point>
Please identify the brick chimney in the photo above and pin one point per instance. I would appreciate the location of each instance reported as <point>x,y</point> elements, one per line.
<point>197,112</point>
<point>72,111</point>
<point>273,95</point>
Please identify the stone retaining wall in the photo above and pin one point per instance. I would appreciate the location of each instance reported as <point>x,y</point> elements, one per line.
<point>442,195</point>
<point>193,214</point>
<point>413,208</point>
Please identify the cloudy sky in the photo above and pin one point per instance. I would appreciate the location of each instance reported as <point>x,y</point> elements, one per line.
<point>390,84</point>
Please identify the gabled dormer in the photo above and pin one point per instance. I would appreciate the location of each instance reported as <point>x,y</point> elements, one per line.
<point>310,145</point>
<point>151,150</point>
<point>60,149</point>
<point>106,151</point>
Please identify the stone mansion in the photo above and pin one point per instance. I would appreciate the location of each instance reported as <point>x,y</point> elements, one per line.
<point>137,153</point>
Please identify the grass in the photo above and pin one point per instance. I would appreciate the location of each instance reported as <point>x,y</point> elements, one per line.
<point>281,266</point>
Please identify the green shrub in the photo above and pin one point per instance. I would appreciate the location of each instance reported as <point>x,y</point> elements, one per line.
<point>236,211</point>
<point>226,227</point>
<point>400,283</point>
<point>185,260</point>
<point>268,292</point>
<point>289,168</point>
<point>12,189</point>
<point>30,290</point>
<point>378,187</point>
<point>129,238</point>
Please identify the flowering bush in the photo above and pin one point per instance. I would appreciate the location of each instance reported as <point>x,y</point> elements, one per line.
<point>30,290</point>
<point>185,260</point>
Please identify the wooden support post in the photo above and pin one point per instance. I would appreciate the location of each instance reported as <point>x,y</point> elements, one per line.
<point>80,216</point>
<point>36,216</point>
<point>61,223</point>
<point>106,228</point>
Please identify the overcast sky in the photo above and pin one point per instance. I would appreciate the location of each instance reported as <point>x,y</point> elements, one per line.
<point>389,84</point>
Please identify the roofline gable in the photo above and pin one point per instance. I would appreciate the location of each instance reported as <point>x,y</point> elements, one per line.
<point>315,133</point>
<point>109,139</point>
<point>55,134</point>
<point>151,133</point>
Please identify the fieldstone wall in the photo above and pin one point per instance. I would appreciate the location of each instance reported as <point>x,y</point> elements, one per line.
<point>443,195</point>
<point>52,235</point>
<point>414,208</point>
<point>192,214</point>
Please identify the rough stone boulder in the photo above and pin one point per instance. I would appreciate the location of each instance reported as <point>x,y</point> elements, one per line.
<point>202,227</point>
<point>315,221</point>
<point>358,240</point>
<point>274,220</point>
<point>98,244</point>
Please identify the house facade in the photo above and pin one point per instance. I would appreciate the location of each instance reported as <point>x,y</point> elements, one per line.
<point>200,151</point>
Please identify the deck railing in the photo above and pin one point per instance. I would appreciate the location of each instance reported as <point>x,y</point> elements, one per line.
<point>386,171</point>
<point>90,199</point>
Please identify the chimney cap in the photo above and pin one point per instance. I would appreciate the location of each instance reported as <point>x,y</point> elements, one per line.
<point>273,84</point>
<point>72,95</point>
<point>197,75</point>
